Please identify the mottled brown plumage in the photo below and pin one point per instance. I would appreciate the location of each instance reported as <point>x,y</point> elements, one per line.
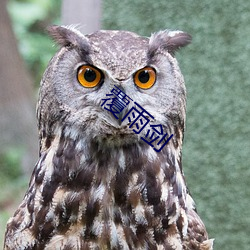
<point>97,184</point>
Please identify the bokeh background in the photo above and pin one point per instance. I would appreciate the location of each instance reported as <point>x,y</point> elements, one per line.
<point>216,67</point>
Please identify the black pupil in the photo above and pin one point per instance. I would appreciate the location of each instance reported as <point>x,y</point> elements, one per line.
<point>89,75</point>
<point>144,76</point>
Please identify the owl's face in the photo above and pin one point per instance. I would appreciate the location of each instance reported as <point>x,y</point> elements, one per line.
<point>87,68</point>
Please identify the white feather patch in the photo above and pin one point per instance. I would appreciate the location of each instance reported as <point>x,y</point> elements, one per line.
<point>185,222</point>
<point>99,192</point>
<point>114,236</point>
<point>122,164</point>
<point>140,214</point>
<point>164,191</point>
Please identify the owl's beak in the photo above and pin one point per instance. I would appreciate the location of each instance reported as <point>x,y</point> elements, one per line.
<point>121,115</point>
<point>124,111</point>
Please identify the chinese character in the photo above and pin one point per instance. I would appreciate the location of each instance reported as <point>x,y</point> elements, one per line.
<point>155,132</point>
<point>138,118</point>
<point>118,100</point>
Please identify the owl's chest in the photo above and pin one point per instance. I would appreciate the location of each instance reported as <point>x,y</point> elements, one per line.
<point>113,199</point>
<point>127,203</point>
<point>104,218</point>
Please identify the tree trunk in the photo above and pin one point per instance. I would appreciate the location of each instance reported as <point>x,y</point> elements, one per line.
<point>17,109</point>
<point>86,13</point>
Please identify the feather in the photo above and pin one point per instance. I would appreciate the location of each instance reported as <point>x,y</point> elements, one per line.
<point>69,36</point>
<point>167,40</point>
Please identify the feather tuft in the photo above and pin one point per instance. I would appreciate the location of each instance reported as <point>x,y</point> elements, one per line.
<point>69,36</point>
<point>168,40</point>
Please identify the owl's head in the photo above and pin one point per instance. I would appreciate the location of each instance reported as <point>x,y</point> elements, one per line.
<point>86,69</point>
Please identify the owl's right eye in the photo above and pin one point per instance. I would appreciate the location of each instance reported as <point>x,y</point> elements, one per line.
<point>145,78</point>
<point>89,76</point>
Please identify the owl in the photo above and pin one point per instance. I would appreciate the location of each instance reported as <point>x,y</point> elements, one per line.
<point>111,119</point>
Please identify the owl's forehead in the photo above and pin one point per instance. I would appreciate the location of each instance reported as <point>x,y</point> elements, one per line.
<point>119,52</point>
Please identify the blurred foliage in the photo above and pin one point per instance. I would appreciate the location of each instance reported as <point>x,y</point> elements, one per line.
<point>11,184</point>
<point>30,19</point>
<point>216,69</point>
<point>10,165</point>
<point>10,198</point>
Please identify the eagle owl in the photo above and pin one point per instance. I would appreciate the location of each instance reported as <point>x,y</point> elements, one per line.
<point>97,183</point>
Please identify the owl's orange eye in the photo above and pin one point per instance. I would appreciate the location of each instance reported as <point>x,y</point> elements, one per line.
<point>89,76</point>
<point>145,78</point>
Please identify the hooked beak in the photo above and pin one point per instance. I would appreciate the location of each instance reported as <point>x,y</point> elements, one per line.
<point>124,111</point>
<point>121,115</point>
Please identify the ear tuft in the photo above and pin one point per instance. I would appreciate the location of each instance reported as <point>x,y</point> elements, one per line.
<point>168,40</point>
<point>68,36</point>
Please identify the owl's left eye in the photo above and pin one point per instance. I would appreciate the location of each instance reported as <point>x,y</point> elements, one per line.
<point>145,78</point>
<point>89,76</point>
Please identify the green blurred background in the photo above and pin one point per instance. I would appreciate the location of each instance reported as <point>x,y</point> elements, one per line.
<point>216,68</point>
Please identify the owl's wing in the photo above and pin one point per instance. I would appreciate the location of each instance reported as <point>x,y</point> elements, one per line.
<point>197,237</point>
